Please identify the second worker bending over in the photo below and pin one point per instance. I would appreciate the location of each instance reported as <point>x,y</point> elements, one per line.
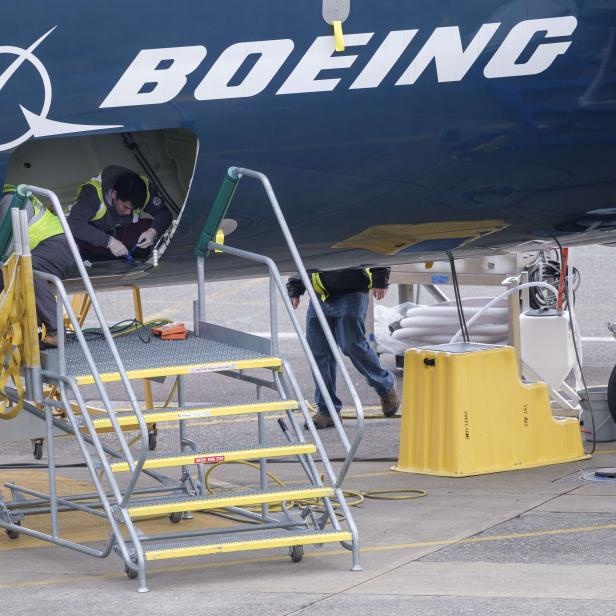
<point>344,299</point>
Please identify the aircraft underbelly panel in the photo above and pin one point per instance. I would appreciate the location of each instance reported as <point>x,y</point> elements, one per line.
<point>443,125</point>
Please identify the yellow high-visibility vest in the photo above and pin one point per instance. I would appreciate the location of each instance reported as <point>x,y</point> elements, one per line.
<point>43,225</point>
<point>319,287</point>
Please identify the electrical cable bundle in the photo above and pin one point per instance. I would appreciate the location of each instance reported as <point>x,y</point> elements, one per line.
<point>545,269</point>
<point>123,328</point>
<point>456,290</point>
<point>132,145</point>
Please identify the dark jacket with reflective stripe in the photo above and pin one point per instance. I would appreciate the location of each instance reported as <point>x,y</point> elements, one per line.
<point>338,282</point>
<point>97,232</point>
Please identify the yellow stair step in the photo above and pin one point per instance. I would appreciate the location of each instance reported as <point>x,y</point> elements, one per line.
<point>237,498</point>
<point>128,419</point>
<point>213,457</point>
<point>235,544</point>
<point>184,369</point>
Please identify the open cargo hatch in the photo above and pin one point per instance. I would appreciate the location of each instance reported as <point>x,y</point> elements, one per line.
<point>166,156</point>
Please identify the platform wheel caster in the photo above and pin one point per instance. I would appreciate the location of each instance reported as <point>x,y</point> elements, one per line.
<point>152,440</point>
<point>296,553</point>
<point>131,573</point>
<point>175,517</point>
<point>13,534</point>
<point>37,450</point>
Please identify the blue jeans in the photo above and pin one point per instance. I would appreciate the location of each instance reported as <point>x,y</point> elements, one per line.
<point>346,316</point>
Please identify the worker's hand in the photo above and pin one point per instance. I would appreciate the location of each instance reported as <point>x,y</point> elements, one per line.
<point>146,239</point>
<point>117,248</point>
<point>379,293</point>
<point>295,302</point>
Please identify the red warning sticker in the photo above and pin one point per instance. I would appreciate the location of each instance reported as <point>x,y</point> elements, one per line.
<point>209,459</point>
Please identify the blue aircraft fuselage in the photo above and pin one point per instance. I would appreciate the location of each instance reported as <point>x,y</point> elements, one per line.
<point>443,125</point>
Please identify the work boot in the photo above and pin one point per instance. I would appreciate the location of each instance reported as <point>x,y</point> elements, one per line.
<point>50,340</point>
<point>390,402</point>
<point>321,421</point>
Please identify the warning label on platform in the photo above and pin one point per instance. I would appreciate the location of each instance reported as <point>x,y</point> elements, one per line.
<point>194,414</point>
<point>212,368</point>
<point>209,459</point>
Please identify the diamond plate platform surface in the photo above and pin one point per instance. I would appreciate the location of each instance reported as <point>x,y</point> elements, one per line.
<point>139,355</point>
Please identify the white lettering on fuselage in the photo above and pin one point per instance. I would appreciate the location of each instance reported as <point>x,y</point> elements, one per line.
<point>158,75</point>
<point>272,55</point>
<point>166,69</point>
<point>445,48</point>
<point>504,63</point>
<point>318,58</point>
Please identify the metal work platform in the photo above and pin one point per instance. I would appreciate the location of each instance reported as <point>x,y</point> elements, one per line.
<point>147,356</point>
<point>291,517</point>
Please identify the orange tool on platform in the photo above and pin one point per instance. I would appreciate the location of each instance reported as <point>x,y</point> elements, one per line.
<point>171,331</point>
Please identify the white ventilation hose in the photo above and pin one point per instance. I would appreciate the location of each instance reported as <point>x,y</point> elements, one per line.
<point>435,324</point>
<point>526,285</point>
<point>493,330</point>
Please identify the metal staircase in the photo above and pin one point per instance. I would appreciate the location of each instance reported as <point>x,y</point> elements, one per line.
<point>131,482</point>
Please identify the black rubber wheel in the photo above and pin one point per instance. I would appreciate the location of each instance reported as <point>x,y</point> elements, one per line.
<point>131,573</point>
<point>152,440</point>
<point>611,393</point>
<point>296,553</point>
<point>37,451</point>
<point>175,517</point>
<point>13,534</point>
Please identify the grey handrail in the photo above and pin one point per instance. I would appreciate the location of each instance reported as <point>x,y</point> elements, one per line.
<point>261,177</point>
<point>350,448</point>
<point>141,458</point>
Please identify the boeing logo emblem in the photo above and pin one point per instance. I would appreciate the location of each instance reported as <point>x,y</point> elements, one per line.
<point>157,76</point>
<point>39,125</point>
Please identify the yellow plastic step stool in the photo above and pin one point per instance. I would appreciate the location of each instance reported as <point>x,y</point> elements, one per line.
<point>466,412</point>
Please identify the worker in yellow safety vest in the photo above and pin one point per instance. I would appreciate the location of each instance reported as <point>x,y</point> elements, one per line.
<point>343,296</point>
<point>106,217</point>
<point>50,254</point>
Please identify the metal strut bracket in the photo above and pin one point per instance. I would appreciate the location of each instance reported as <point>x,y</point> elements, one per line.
<point>336,10</point>
<point>335,13</point>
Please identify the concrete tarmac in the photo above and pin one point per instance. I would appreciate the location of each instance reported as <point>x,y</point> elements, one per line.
<point>539,541</point>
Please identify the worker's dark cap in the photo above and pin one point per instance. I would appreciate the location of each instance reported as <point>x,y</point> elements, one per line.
<point>130,187</point>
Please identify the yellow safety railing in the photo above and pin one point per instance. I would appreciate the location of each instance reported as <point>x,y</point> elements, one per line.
<point>18,329</point>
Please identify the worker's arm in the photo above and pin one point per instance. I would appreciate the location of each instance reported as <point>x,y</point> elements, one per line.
<point>79,219</point>
<point>380,281</point>
<point>156,207</point>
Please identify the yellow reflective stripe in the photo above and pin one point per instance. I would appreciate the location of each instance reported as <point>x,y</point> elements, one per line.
<point>147,193</point>
<point>369,274</point>
<point>231,500</point>
<point>213,457</point>
<point>97,184</point>
<point>318,286</point>
<point>248,545</point>
<point>274,363</point>
<point>39,212</point>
